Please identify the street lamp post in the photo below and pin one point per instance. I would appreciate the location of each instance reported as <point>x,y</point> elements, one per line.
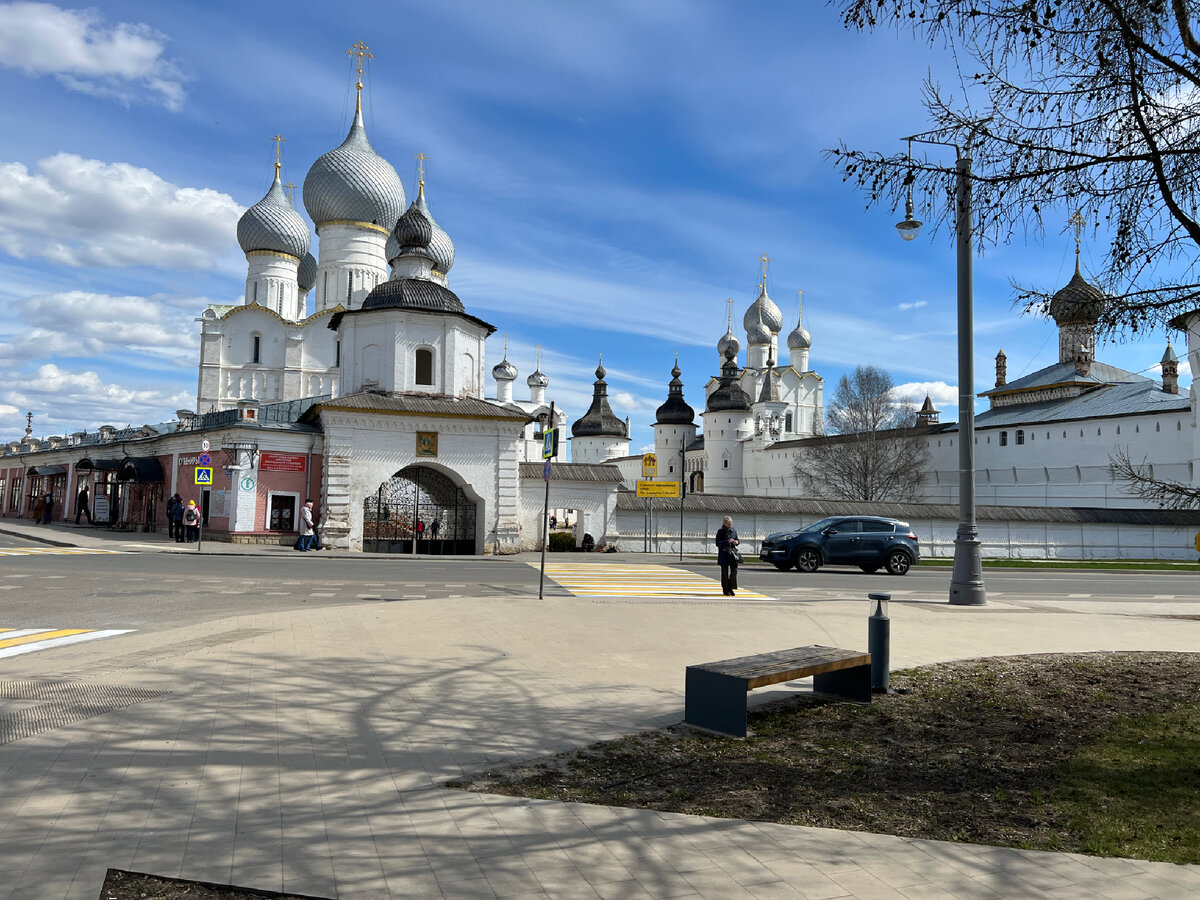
<point>966,580</point>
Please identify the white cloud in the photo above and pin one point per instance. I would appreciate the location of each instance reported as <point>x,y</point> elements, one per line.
<point>916,305</point>
<point>122,61</point>
<point>942,395</point>
<point>63,401</point>
<point>85,212</point>
<point>82,324</point>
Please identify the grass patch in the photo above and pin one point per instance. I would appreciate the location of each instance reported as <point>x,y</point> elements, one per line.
<point>1090,753</point>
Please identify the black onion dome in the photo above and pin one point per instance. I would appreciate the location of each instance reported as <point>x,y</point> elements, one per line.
<point>599,420</point>
<point>413,229</point>
<point>413,293</point>
<point>1078,302</point>
<point>676,410</point>
<point>729,395</point>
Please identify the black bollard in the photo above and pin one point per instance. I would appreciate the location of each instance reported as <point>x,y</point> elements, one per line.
<point>879,642</point>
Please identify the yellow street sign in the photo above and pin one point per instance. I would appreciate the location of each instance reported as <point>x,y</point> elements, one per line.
<point>649,465</point>
<point>658,488</point>
<point>204,475</point>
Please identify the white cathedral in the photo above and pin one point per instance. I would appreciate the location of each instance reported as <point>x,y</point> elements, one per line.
<point>376,403</point>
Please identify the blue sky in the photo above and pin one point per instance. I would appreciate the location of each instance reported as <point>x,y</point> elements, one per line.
<point>610,173</point>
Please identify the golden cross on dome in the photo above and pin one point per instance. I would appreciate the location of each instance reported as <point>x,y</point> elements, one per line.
<point>278,139</point>
<point>765,259</point>
<point>421,159</point>
<point>1077,222</point>
<point>360,49</point>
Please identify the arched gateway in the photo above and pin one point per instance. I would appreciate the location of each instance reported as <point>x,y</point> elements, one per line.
<point>422,502</point>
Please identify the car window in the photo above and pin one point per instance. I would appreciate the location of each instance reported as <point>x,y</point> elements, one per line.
<point>875,526</point>
<point>850,526</point>
<point>818,526</point>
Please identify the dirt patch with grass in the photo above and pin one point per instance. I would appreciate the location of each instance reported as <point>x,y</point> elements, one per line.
<point>1094,753</point>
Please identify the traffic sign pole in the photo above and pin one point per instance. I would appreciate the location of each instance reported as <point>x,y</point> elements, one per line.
<point>551,445</point>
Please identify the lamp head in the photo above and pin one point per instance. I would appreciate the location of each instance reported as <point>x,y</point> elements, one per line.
<point>908,229</point>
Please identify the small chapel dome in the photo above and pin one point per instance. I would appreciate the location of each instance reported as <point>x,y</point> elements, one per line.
<point>765,308</point>
<point>353,183</point>
<point>675,411</point>
<point>306,275</point>
<point>537,379</point>
<point>758,333</point>
<point>1078,302</point>
<point>272,224</point>
<point>727,341</point>
<point>599,420</point>
<point>441,248</point>
<point>504,370</point>
<point>413,231</point>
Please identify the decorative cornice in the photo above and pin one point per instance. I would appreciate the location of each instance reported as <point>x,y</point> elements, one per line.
<point>370,226</point>
<point>275,253</point>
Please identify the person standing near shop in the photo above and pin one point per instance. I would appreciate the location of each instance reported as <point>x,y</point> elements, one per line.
<point>728,556</point>
<point>39,509</point>
<point>81,505</point>
<point>306,527</point>
<point>191,520</point>
<point>48,511</point>
<point>177,518</point>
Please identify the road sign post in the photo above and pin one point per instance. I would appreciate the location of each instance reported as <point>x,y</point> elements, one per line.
<point>549,450</point>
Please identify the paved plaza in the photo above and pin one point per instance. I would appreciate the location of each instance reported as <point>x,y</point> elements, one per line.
<point>307,750</point>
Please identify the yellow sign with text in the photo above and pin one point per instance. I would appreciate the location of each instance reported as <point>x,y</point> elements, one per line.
<point>658,488</point>
<point>649,465</point>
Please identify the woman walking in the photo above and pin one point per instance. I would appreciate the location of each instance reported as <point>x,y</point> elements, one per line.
<point>728,556</point>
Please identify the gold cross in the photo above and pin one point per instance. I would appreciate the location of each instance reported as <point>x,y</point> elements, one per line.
<point>1077,222</point>
<point>278,139</point>
<point>360,49</point>
<point>765,259</point>
<point>421,159</point>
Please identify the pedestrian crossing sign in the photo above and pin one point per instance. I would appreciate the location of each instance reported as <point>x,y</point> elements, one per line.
<point>204,474</point>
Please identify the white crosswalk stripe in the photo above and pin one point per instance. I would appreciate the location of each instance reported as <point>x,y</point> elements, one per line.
<point>609,580</point>
<point>15,641</point>
<point>51,551</point>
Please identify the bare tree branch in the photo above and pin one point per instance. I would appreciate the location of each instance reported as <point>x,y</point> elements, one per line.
<point>1141,483</point>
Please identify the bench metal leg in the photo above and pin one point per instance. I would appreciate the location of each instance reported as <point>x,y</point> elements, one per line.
<point>850,684</point>
<point>716,702</point>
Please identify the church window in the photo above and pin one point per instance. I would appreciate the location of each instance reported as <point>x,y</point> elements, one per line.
<point>325,286</point>
<point>1097,432</point>
<point>787,422</point>
<point>1137,429</point>
<point>1118,429</point>
<point>1064,435</point>
<point>349,286</point>
<point>1004,439</point>
<point>255,349</point>
<point>337,353</point>
<point>1020,437</point>
<point>1151,471</point>
<point>424,366</point>
<point>1178,425</point>
<point>1158,426</point>
<point>725,464</point>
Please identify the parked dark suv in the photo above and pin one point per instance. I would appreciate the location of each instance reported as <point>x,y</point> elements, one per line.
<point>868,542</point>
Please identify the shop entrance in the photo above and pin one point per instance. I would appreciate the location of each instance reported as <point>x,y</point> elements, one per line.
<point>422,505</point>
<point>281,515</point>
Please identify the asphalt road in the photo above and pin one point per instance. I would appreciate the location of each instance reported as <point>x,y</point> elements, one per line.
<point>153,590</point>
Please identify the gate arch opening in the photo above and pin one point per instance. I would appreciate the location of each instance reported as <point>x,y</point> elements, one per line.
<point>422,509</point>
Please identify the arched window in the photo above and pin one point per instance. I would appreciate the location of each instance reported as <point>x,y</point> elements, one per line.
<point>1004,439</point>
<point>255,348</point>
<point>424,366</point>
<point>787,422</point>
<point>1020,437</point>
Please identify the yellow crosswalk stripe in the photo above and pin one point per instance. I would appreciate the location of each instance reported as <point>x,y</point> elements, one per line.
<point>41,636</point>
<point>625,580</point>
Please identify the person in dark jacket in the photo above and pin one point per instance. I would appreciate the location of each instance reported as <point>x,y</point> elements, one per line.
<point>177,519</point>
<point>727,539</point>
<point>82,505</point>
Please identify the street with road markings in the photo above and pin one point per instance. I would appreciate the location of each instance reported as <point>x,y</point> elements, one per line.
<point>16,641</point>
<point>52,551</point>
<point>616,580</point>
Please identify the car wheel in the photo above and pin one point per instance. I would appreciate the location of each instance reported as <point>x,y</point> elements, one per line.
<point>898,562</point>
<point>870,570</point>
<point>807,560</point>
<point>783,566</point>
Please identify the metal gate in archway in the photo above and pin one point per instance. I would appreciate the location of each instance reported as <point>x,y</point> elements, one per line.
<point>420,505</point>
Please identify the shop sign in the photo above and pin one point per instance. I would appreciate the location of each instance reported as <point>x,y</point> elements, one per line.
<point>281,462</point>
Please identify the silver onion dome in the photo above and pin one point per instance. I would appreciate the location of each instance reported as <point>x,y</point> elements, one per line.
<point>757,332</point>
<point>353,183</point>
<point>272,224</point>
<point>306,275</point>
<point>504,370</point>
<point>764,306</point>
<point>728,340</point>
<point>537,379</point>
<point>799,339</point>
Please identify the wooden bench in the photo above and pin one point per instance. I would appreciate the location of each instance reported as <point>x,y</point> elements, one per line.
<point>715,693</point>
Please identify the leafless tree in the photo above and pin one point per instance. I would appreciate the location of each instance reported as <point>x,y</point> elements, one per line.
<point>872,449</point>
<point>1090,105</point>
<point>1138,481</point>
